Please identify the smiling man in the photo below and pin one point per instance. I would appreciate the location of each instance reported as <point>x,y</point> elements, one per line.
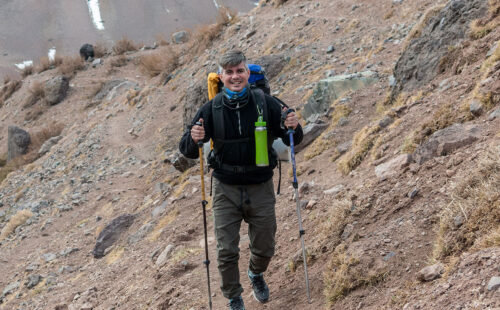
<point>243,189</point>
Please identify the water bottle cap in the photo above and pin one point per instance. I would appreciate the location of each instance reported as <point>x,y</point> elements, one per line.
<point>260,124</point>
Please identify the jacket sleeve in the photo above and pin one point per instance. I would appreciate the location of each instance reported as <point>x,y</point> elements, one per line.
<point>275,116</point>
<point>187,146</point>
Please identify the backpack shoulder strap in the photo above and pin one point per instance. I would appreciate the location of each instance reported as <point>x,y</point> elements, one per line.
<point>260,101</point>
<point>218,121</point>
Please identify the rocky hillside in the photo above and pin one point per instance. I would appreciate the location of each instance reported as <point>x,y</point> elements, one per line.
<point>398,172</point>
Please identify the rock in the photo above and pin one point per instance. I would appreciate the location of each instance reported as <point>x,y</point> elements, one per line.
<point>18,142</point>
<point>392,81</point>
<point>419,62</point>
<point>56,89</point>
<point>87,51</point>
<point>10,288</point>
<point>159,210</point>
<point>87,306</point>
<point>311,132</point>
<point>96,62</point>
<point>163,257</point>
<point>334,190</point>
<point>121,88</point>
<point>61,307</point>
<point>445,141</point>
<point>141,233</point>
<point>311,204</point>
<point>494,283</point>
<point>458,221</point>
<point>47,145</point>
<point>330,49</point>
<point>111,233</point>
<point>413,193</point>
<point>476,108</point>
<point>348,229</point>
<point>492,49</point>
<point>33,280</point>
<point>48,257</point>
<point>180,37</point>
<point>430,273</point>
<point>250,33</point>
<point>494,114</point>
<point>344,147</point>
<point>330,89</point>
<point>304,188</point>
<point>393,167</point>
<point>386,121</point>
<point>180,162</point>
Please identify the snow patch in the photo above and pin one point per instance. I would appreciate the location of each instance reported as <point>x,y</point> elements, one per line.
<point>24,64</point>
<point>52,54</point>
<point>95,14</point>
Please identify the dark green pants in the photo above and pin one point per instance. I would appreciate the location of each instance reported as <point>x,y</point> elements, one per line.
<point>255,205</point>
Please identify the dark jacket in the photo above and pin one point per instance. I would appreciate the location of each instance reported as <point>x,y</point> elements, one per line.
<point>237,126</point>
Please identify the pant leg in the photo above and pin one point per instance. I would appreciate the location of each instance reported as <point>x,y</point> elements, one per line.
<point>227,223</point>
<point>261,218</point>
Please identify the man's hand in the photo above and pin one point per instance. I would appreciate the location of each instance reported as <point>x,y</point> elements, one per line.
<point>291,121</point>
<point>198,132</point>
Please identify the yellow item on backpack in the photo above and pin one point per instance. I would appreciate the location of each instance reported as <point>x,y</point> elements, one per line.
<point>213,85</point>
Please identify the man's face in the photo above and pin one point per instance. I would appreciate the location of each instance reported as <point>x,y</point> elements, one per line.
<point>235,78</point>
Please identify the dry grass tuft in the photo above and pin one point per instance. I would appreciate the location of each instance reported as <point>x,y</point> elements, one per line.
<point>124,45</point>
<point>334,222</point>
<point>70,65</point>
<point>43,64</point>
<point>27,70</point>
<point>480,28</point>
<point>36,93</point>
<point>100,50</point>
<point>363,142</point>
<point>15,221</point>
<point>118,61</point>
<point>472,218</point>
<point>8,88</point>
<point>165,60</point>
<point>345,273</point>
<point>204,36</point>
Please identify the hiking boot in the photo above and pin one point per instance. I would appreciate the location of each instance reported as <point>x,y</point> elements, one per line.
<point>236,303</point>
<point>260,289</point>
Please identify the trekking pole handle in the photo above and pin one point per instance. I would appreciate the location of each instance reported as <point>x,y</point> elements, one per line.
<point>284,114</point>
<point>200,143</point>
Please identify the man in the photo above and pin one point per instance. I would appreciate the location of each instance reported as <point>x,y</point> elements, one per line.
<point>241,190</point>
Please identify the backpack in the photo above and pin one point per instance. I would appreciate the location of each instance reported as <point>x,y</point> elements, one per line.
<point>259,86</point>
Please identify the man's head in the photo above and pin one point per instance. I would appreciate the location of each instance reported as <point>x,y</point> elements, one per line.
<point>234,72</point>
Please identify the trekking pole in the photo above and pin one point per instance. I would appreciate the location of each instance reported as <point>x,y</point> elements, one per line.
<point>204,204</point>
<point>301,230</point>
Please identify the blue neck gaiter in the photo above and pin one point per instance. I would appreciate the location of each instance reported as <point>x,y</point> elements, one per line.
<point>232,95</point>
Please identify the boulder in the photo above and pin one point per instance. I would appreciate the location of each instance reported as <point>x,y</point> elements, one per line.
<point>180,162</point>
<point>180,37</point>
<point>420,61</point>
<point>445,141</point>
<point>111,233</point>
<point>18,142</point>
<point>311,132</point>
<point>430,273</point>
<point>56,89</point>
<point>328,90</point>
<point>164,255</point>
<point>393,167</point>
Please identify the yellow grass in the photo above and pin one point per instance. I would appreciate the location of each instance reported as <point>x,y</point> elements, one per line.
<point>475,199</point>
<point>167,219</point>
<point>124,45</point>
<point>70,65</point>
<point>164,60</point>
<point>362,144</point>
<point>15,221</point>
<point>114,255</point>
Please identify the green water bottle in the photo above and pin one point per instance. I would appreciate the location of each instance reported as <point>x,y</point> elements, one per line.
<point>261,157</point>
